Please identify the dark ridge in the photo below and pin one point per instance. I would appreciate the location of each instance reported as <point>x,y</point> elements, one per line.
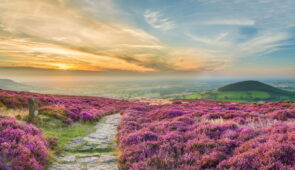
<point>253,86</point>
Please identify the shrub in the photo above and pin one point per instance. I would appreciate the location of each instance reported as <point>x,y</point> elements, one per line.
<point>22,146</point>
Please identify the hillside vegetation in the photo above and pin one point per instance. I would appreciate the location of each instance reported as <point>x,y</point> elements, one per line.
<point>170,134</point>
<point>245,91</point>
<point>253,86</point>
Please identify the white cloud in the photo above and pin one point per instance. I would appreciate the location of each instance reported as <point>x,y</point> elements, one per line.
<point>263,43</point>
<point>216,41</point>
<point>240,22</point>
<point>260,44</point>
<point>156,20</point>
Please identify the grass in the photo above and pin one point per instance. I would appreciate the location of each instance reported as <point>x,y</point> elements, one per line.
<point>193,96</point>
<point>92,151</point>
<point>244,95</point>
<point>66,134</point>
<point>241,96</point>
<point>259,94</point>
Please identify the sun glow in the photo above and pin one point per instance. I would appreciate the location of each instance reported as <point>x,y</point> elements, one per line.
<point>62,66</point>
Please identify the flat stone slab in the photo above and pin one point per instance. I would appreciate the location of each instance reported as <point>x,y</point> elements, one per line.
<point>102,139</point>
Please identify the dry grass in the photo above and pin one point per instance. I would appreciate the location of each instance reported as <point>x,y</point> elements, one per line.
<point>157,101</point>
<point>218,121</point>
<point>254,124</point>
<point>262,123</point>
<point>14,112</point>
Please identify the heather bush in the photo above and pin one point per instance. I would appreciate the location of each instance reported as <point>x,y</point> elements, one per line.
<point>21,146</point>
<point>13,101</point>
<point>282,114</point>
<point>66,108</point>
<point>167,114</point>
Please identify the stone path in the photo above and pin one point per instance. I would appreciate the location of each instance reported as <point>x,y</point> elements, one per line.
<point>93,152</point>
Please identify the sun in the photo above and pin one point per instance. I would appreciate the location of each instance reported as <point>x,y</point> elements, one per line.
<point>62,66</point>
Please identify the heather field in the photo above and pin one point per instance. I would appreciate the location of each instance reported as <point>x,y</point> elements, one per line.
<point>147,85</point>
<point>200,134</point>
<point>153,134</point>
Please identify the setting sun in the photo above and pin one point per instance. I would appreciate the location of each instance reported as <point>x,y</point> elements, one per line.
<point>62,66</point>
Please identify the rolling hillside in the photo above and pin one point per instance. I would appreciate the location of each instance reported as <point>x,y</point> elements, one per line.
<point>8,84</point>
<point>246,91</point>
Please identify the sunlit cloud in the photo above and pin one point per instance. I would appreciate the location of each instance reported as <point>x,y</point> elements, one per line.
<point>50,56</point>
<point>45,35</point>
<point>137,36</point>
<point>55,34</point>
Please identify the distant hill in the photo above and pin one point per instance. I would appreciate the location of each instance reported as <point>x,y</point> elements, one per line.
<point>7,84</point>
<point>246,91</point>
<point>252,86</point>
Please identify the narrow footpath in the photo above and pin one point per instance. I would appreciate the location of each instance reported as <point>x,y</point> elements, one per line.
<point>97,151</point>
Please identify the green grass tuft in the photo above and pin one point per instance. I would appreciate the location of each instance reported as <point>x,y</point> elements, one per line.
<point>67,134</point>
<point>193,96</point>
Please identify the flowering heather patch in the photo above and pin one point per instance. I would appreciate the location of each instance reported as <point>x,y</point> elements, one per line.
<point>181,134</point>
<point>21,146</point>
<point>67,108</point>
<point>185,135</point>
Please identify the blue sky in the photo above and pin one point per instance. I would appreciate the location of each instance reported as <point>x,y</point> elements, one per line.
<point>251,33</point>
<point>205,37</point>
<point>217,24</point>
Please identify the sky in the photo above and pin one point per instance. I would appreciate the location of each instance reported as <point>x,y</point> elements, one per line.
<point>148,37</point>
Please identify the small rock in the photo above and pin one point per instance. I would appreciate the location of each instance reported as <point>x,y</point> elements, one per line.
<point>78,142</point>
<point>85,148</point>
<point>103,147</point>
<point>102,167</point>
<point>87,160</point>
<point>75,144</point>
<point>67,159</point>
<point>87,155</point>
<point>107,158</point>
<point>56,166</point>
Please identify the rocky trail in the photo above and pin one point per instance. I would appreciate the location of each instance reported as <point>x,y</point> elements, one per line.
<point>97,151</point>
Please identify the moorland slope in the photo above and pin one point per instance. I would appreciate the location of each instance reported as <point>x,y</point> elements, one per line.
<point>245,91</point>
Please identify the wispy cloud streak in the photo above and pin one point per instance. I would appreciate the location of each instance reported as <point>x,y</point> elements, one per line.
<point>53,33</point>
<point>156,20</point>
<point>240,22</point>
